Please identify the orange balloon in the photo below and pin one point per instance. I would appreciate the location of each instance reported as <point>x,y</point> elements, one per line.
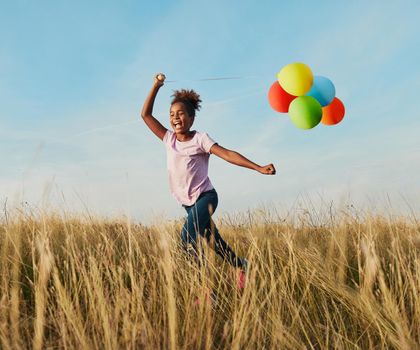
<point>333,113</point>
<point>279,99</point>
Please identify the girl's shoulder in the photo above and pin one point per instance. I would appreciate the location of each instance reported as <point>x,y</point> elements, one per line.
<point>169,135</point>
<point>205,141</point>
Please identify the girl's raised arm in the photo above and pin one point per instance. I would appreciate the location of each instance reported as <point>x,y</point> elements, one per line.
<point>157,128</point>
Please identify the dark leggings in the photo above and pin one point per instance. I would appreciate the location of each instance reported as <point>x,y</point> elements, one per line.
<point>199,221</point>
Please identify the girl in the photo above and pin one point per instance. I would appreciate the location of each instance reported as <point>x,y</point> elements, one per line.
<point>188,153</point>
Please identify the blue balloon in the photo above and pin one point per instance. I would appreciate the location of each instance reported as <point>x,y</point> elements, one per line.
<point>322,90</point>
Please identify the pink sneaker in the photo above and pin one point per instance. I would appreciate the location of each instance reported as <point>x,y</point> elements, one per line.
<point>241,279</point>
<point>242,276</point>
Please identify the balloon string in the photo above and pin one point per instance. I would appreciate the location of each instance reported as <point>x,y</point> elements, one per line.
<point>209,79</point>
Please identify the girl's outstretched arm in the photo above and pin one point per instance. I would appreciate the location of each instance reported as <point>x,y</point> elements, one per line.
<point>157,128</point>
<point>238,159</point>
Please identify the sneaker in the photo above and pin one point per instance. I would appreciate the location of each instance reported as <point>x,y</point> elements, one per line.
<point>242,276</point>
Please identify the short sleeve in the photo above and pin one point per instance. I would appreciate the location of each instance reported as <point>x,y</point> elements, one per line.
<point>206,142</point>
<point>167,137</point>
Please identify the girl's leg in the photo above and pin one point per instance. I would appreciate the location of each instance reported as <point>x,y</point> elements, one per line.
<point>199,220</point>
<point>221,247</point>
<point>189,236</point>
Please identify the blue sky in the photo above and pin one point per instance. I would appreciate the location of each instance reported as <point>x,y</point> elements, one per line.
<point>73,77</point>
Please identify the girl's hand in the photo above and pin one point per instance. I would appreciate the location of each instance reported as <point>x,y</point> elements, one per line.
<point>159,79</point>
<point>267,169</point>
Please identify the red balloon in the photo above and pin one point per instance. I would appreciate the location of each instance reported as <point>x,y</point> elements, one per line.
<point>333,113</point>
<point>278,98</point>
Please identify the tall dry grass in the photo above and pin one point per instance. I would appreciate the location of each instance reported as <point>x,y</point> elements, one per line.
<point>340,281</point>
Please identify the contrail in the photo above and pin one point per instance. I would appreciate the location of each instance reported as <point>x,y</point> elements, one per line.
<point>235,98</point>
<point>90,131</point>
<point>214,78</point>
<point>100,128</point>
<point>215,103</point>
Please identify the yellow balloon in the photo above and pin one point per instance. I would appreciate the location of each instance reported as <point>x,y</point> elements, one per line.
<point>296,78</point>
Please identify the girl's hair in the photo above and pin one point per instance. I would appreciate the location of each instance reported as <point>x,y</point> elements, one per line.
<point>189,98</point>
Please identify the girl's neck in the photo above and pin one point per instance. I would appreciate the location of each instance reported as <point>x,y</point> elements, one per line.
<point>185,137</point>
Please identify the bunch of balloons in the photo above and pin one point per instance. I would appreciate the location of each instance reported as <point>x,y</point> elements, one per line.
<point>308,99</point>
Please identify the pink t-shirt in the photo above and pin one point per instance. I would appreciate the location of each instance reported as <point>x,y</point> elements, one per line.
<point>188,164</point>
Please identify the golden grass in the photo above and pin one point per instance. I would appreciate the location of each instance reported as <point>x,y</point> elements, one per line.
<point>350,282</point>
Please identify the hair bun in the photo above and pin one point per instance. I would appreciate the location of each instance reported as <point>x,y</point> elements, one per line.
<point>188,96</point>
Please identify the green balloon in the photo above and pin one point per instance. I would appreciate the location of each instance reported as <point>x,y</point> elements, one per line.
<point>305,112</point>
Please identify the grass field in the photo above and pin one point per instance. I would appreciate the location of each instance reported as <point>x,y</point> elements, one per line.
<point>330,281</point>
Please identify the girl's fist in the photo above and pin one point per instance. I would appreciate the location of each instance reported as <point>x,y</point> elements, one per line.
<point>268,169</point>
<point>159,79</point>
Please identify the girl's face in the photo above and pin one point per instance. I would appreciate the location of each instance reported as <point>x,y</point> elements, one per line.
<point>179,118</point>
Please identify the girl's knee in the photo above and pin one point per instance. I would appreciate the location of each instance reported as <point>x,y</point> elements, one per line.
<point>211,209</point>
